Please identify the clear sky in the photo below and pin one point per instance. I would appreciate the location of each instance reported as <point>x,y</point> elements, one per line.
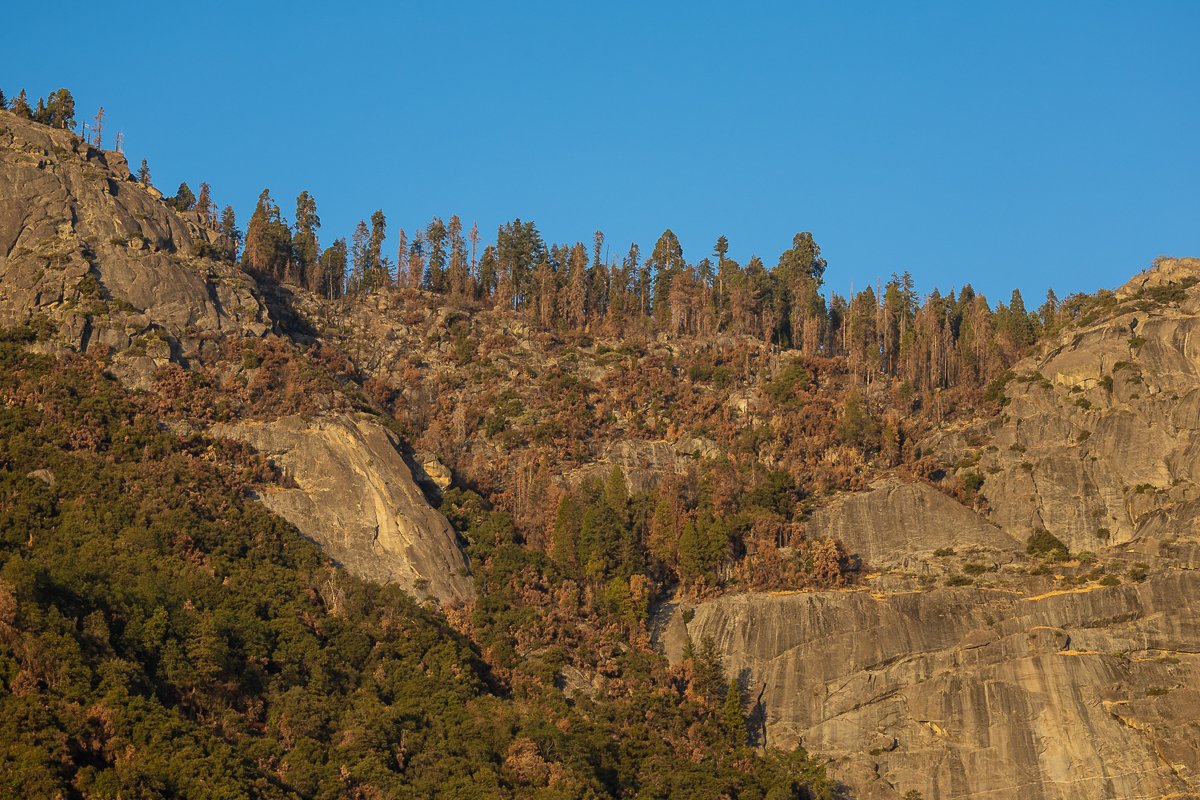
<point>1030,144</point>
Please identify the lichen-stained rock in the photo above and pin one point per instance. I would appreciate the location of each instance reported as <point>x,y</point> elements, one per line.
<point>102,257</point>
<point>971,693</point>
<point>355,496</point>
<point>869,524</point>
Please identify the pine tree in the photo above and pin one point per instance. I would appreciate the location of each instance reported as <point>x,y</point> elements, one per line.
<point>184,200</point>
<point>230,232</point>
<point>3,100</point>
<point>616,495</point>
<point>379,275</point>
<point>1048,313</point>
<point>576,305</point>
<point>599,541</point>
<point>333,270</point>
<point>268,240</point>
<point>60,109</point>
<point>361,274</point>
<point>564,545</point>
<point>144,173</point>
<point>733,715</point>
<point>708,671</point>
<point>416,260</point>
<point>661,541</point>
<point>41,115</point>
<point>457,274</point>
<point>305,246</point>
<point>204,202</point>
<point>21,107</point>
<point>435,264</point>
<point>402,276</point>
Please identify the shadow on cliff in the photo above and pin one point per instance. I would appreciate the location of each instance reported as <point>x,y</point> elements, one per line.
<point>281,304</point>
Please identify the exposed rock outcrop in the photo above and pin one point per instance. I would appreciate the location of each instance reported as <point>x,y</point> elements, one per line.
<point>869,523</point>
<point>104,259</point>
<point>355,496</point>
<point>1097,443</point>
<point>1026,685</point>
<point>973,693</point>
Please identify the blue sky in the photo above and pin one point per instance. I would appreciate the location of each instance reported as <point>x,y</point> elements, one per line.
<point>1008,144</point>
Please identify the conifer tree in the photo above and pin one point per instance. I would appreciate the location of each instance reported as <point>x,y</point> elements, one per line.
<point>268,240</point>
<point>402,276</point>
<point>21,107</point>
<point>41,115</point>
<point>204,202</point>
<point>3,100</point>
<point>380,276</point>
<point>305,246</point>
<point>564,545</point>
<point>184,200</point>
<point>435,264</point>
<point>144,173</point>
<point>230,232</point>
<point>60,109</point>
<point>457,272</point>
<point>361,274</point>
<point>332,270</point>
<point>733,715</point>
<point>416,260</point>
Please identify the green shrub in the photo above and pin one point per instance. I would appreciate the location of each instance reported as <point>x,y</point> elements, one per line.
<point>995,390</point>
<point>1045,544</point>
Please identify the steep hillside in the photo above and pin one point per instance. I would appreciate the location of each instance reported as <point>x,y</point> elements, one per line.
<point>98,263</point>
<point>952,548</point>
<point>85,244</point>
<point>163,636</point>
<point>967,667</point>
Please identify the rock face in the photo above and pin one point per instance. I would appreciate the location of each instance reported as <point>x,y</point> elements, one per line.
<point>1026,684</point>
<point>355,496</point>
<point>868,524</point>
<point>1098,441</point>
<point>961,692</point>
<point>102,257</point>
<point>103,260</point>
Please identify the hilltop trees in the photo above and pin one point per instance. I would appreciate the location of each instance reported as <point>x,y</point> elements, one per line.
<point>929,343</point>
<point>229,232</point>
<point>268,247</point>
<point>183,200</point>
<point>60,109</point>
<point>204,202</point>
<point>20,106</point>
<point>331,270</point>
<point>887,330</point>
<point>305,247</point>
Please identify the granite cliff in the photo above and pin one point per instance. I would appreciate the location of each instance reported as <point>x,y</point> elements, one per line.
<point>959,665</point>
<point>1077,679</point>
<point>349,489</point>
<point>102,262</point>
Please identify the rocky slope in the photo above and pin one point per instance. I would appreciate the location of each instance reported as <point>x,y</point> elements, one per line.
<point>355,496</point>
<point>1076,680</point>
<point>86,246</point>
<point>103,262</point>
